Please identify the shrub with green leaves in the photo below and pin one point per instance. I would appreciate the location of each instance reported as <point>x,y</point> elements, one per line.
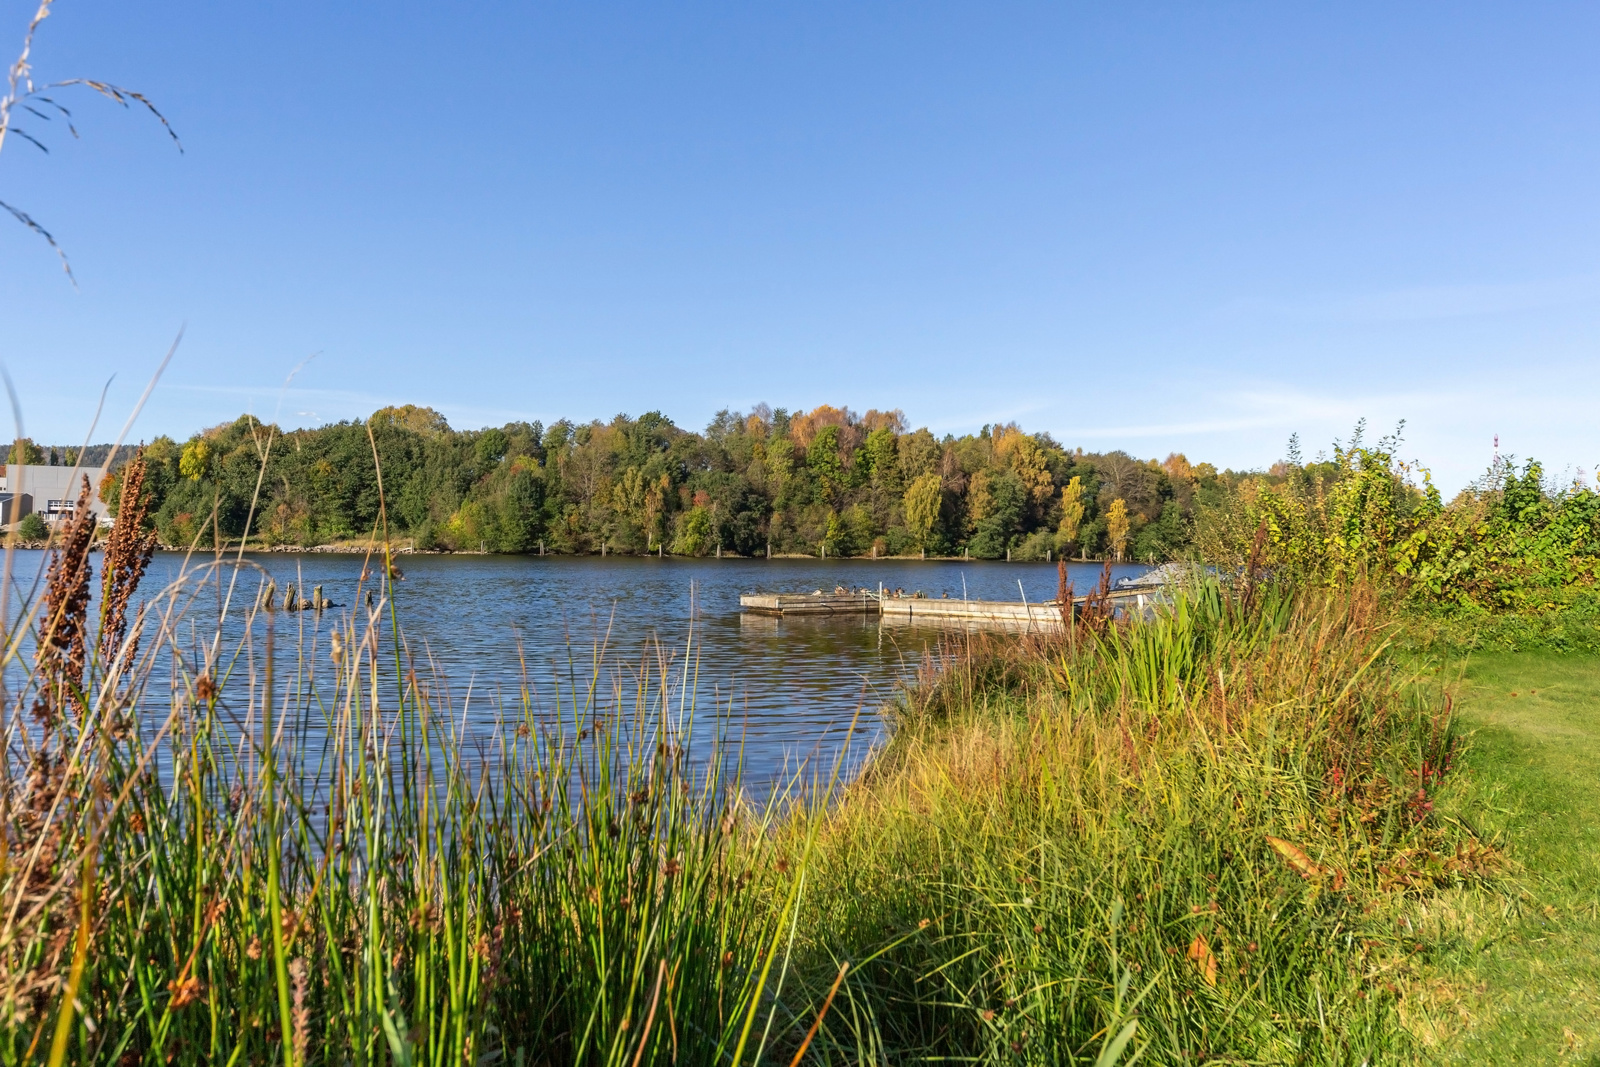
<point>32,528</point>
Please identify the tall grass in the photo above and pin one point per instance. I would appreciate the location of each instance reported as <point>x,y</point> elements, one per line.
<point>1193,835</point>
<point>275,838</point>
<point>315,863</point>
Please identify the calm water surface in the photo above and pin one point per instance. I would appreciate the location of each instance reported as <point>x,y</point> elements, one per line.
<point>788,686</point>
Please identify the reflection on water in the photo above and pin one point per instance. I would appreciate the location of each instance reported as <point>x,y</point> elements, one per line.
<point>786,685</point>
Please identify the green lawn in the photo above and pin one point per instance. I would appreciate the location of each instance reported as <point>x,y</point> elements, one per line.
<point>1513,975</point>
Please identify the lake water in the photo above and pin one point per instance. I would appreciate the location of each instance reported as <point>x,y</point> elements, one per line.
<point>789,687</point>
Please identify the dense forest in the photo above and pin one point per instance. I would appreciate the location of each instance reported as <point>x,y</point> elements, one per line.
<point>827,479</point>
<point>857,485</point>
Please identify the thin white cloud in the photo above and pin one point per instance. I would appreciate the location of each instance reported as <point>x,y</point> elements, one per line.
<point>1268,408</point>
<point>1420,303</point>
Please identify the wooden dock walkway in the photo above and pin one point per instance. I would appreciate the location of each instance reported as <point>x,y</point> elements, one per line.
<point>891,608</point>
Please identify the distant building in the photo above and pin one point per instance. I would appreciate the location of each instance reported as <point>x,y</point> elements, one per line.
<point>13,508</point>
<point>51,492</point>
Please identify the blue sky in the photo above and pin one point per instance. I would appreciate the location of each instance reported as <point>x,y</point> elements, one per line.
<point>1159,227</point>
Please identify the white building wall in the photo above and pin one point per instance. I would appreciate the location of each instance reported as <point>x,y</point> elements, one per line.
<point>53,490</point>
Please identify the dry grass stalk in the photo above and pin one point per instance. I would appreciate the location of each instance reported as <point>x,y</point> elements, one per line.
<point>63,643</point>
<point>127,556</point>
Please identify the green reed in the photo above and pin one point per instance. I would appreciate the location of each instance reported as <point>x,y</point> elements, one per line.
<point>325,867</point>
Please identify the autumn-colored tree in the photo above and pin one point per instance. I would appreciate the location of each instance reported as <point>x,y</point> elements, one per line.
<point>1071,512</point>
<point>1177,467</point>
<point>980,501</point>
<point>805,428</point>
<point>1117,526</point>
<point>922,503</point>
<point>196,459</point>
<point>1027,461</point>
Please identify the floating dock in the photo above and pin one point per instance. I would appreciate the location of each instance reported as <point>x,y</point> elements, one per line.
<point>908,609</point>
<point>864,602</point>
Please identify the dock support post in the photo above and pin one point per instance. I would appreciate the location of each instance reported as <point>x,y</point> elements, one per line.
<point>769,549</point>
<point>661,550</point>
<point>924,553</point>
<point>316,597</point>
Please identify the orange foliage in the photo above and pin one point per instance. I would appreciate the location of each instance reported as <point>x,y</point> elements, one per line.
<point>883,420</point>
<point>1177,467</point>
<point>804,428</point>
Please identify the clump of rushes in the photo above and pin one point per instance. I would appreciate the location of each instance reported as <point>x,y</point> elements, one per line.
<point>311,864</point>
<point>1189,837</point>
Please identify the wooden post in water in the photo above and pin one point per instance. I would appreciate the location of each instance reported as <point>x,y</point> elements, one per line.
<point>824,550</point>
<point>769,549</point>
<point>719,549</point>
<point>1008,555</point>
<point>924,553</point>
<point>291,602</point>
<point>267,593</point>
<point>316,597</point>
<point>661,550</point>
<point>541,548</point>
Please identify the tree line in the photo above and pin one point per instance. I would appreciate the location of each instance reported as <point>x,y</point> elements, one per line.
<point>826,480</point>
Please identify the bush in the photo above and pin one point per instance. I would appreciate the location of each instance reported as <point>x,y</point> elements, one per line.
<point>32,528</point>
<point>1507,544</point>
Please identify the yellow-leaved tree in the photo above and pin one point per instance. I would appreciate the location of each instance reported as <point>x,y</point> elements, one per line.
<point>1117,526</point>
<point>195,462</point>
<point>922,501</point>
<point>1071,513</point>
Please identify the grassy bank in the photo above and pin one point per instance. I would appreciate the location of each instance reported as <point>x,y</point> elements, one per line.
<point>1515,974</point>
<point>1193,839</point>
<point>1199,838</point>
